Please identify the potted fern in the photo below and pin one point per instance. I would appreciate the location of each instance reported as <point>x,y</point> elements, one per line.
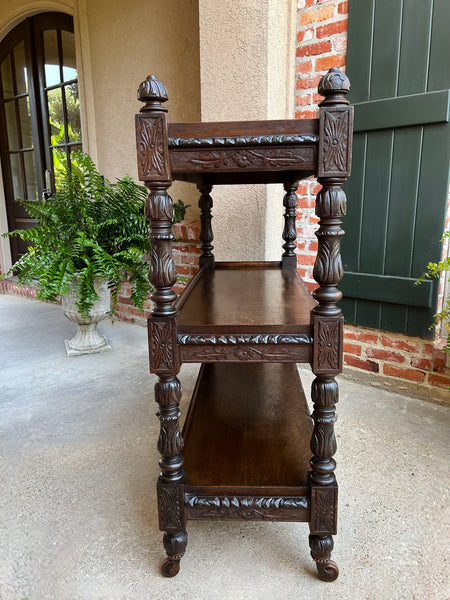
<point>91,237</point>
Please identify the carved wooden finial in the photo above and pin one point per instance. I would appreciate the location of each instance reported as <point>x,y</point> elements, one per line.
<point>334,86</point>
<point>153,93</point>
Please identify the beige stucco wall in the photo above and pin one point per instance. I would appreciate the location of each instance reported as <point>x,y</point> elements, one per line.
<point>129,39</point>
<point>247,73</point>
<point>222,60</point>
<point>120,42</point>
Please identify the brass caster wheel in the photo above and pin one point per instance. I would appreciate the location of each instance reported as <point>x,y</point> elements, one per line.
<point>170,567</point>
<point>328,570</point>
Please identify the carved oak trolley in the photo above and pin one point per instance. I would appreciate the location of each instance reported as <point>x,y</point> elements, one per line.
<point>251,450</point>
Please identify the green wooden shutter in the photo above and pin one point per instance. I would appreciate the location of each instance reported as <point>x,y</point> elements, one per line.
<point>398,61</point>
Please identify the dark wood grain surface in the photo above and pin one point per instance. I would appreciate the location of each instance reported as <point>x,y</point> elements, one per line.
<point>251,451</point>
<point>242,298</point>
<point>242,128</point>
<point>248,426</point>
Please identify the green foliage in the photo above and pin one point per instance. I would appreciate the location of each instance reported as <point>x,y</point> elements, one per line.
<point>434,270</point>
<point>89,228</point>
<point>179,210</point>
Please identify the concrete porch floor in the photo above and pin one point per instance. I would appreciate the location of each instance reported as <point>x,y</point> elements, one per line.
<point>79,464</point>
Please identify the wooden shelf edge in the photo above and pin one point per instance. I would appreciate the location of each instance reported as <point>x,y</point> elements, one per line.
<point>201,313</point>
<point>189,289</point>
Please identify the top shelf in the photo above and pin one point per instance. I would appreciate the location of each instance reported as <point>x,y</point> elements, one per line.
<point>239,152</point>
<point>243,152</point>
<point>189,132</point>
<point>245,298</point>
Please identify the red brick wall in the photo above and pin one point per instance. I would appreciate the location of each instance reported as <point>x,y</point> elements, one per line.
<point>322,44</point>
<point>10,287</point>
<point>186,251</point>
<point>396,356</point>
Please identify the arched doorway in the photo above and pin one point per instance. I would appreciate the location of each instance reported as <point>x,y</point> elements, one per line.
<point>39,111</point>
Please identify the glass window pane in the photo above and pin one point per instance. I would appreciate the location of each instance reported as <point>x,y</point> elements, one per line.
<point>7,81</point>
<point>52,75</point>
<point>11,125</point>
<point>73,112</point>
<point>16,176</point>
<point>21,68</point>
<point>59,158</point>
<point>30,174</point>
<point>69,61</point>
<point>55,117</point>
<point>25,122</point>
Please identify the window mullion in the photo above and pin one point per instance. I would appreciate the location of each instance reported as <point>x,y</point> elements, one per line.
<point>31,53</point>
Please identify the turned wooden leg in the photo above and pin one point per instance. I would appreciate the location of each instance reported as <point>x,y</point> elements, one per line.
<point>165,361</point>
<point>326,318</point>
<point>175,547</point>
<point>170,484</point>
<point>321,548</point>
<point>324,490</point>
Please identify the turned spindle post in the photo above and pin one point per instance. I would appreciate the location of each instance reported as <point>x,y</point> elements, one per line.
<point>154,170</point>
<point>333,169</point>
<point>290,201</point>
<point>205,204</point>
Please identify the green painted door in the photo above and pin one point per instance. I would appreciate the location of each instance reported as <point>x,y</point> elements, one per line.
<point>398,62</point>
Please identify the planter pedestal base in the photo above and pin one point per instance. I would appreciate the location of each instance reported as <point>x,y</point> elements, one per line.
<point>87,342</point>
<point>87,339</point>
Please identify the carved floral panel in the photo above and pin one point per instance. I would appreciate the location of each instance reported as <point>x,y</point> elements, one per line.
<point>238,353</point>
<point>152,154</point>
<point>244,158</point>
<point>162,347</point>
<point>323,510</point>
<point>335,142</point>
<point>327,345</point>
<point>170,507</point>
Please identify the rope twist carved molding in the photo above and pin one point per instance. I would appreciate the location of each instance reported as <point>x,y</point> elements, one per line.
<point>246,507</point>
<point>252,140</point>
<point>244,339</point>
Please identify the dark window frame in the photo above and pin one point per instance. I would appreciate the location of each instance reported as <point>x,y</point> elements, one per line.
<point>30,31</point>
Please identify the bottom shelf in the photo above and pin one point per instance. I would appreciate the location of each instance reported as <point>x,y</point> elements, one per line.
<point>248,431</point>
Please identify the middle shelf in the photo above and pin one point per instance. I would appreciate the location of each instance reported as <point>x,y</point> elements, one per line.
<point>245,311</point>
<point>251,297</point>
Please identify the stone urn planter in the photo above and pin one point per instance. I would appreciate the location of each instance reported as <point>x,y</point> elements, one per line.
<point>87,339</point>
